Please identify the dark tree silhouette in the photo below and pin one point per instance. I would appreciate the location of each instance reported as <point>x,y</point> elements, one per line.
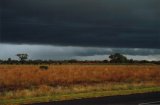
<point>118,58</point>
<point>22,57</point>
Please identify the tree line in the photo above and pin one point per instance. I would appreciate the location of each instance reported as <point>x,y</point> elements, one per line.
<point>116,58</point>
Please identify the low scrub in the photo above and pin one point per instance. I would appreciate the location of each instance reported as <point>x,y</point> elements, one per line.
<point>43,67</point>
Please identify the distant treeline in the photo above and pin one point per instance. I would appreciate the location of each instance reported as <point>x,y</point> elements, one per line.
<point>116,58</point>
<point>36,62</point>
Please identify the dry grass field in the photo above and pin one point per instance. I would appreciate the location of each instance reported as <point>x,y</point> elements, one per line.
<point>25,76</point>
<point>30,81</point>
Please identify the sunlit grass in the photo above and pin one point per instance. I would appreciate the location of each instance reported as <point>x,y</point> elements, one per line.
<point>28,83</point>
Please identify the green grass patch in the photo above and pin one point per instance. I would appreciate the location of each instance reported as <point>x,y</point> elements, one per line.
<point>72,96</point>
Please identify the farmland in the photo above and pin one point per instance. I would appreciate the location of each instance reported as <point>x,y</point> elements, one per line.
<point>60,82</point>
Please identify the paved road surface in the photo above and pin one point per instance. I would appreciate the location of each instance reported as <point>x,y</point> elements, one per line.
<point>137,99</point>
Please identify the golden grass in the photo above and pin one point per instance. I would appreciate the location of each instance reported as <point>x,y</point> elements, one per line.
<point>13,77</point>
<point>22,83</point>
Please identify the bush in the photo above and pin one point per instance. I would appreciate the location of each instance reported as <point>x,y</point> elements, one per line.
<point>44,67</point>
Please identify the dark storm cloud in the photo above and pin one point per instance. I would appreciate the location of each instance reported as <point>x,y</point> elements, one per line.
<point>101,23</point>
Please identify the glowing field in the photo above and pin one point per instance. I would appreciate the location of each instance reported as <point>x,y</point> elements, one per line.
<point>17,81</point>
<point>24,76</point>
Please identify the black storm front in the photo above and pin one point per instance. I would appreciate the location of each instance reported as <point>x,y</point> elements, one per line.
<point>101,23</point>
<point>82,23</point>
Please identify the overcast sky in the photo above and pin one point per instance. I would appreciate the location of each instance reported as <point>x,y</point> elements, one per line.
<point>80,29</point>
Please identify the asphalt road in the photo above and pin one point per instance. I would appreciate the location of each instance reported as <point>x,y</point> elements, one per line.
<point>136,99</point>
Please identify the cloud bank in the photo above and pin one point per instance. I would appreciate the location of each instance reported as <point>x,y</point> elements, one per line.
<point>70,52</point>
<point>85,23</point>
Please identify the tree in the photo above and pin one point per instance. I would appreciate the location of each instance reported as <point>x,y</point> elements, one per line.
<point>22,57</point>
<point>118,58</point>
<point>9,60</point>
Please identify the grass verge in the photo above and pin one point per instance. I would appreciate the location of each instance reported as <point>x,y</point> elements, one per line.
<point>71,96</point>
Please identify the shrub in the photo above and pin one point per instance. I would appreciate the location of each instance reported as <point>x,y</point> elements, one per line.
<point>44,67</point>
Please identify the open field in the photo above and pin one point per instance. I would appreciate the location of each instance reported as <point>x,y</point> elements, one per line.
<point>29,83</point>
